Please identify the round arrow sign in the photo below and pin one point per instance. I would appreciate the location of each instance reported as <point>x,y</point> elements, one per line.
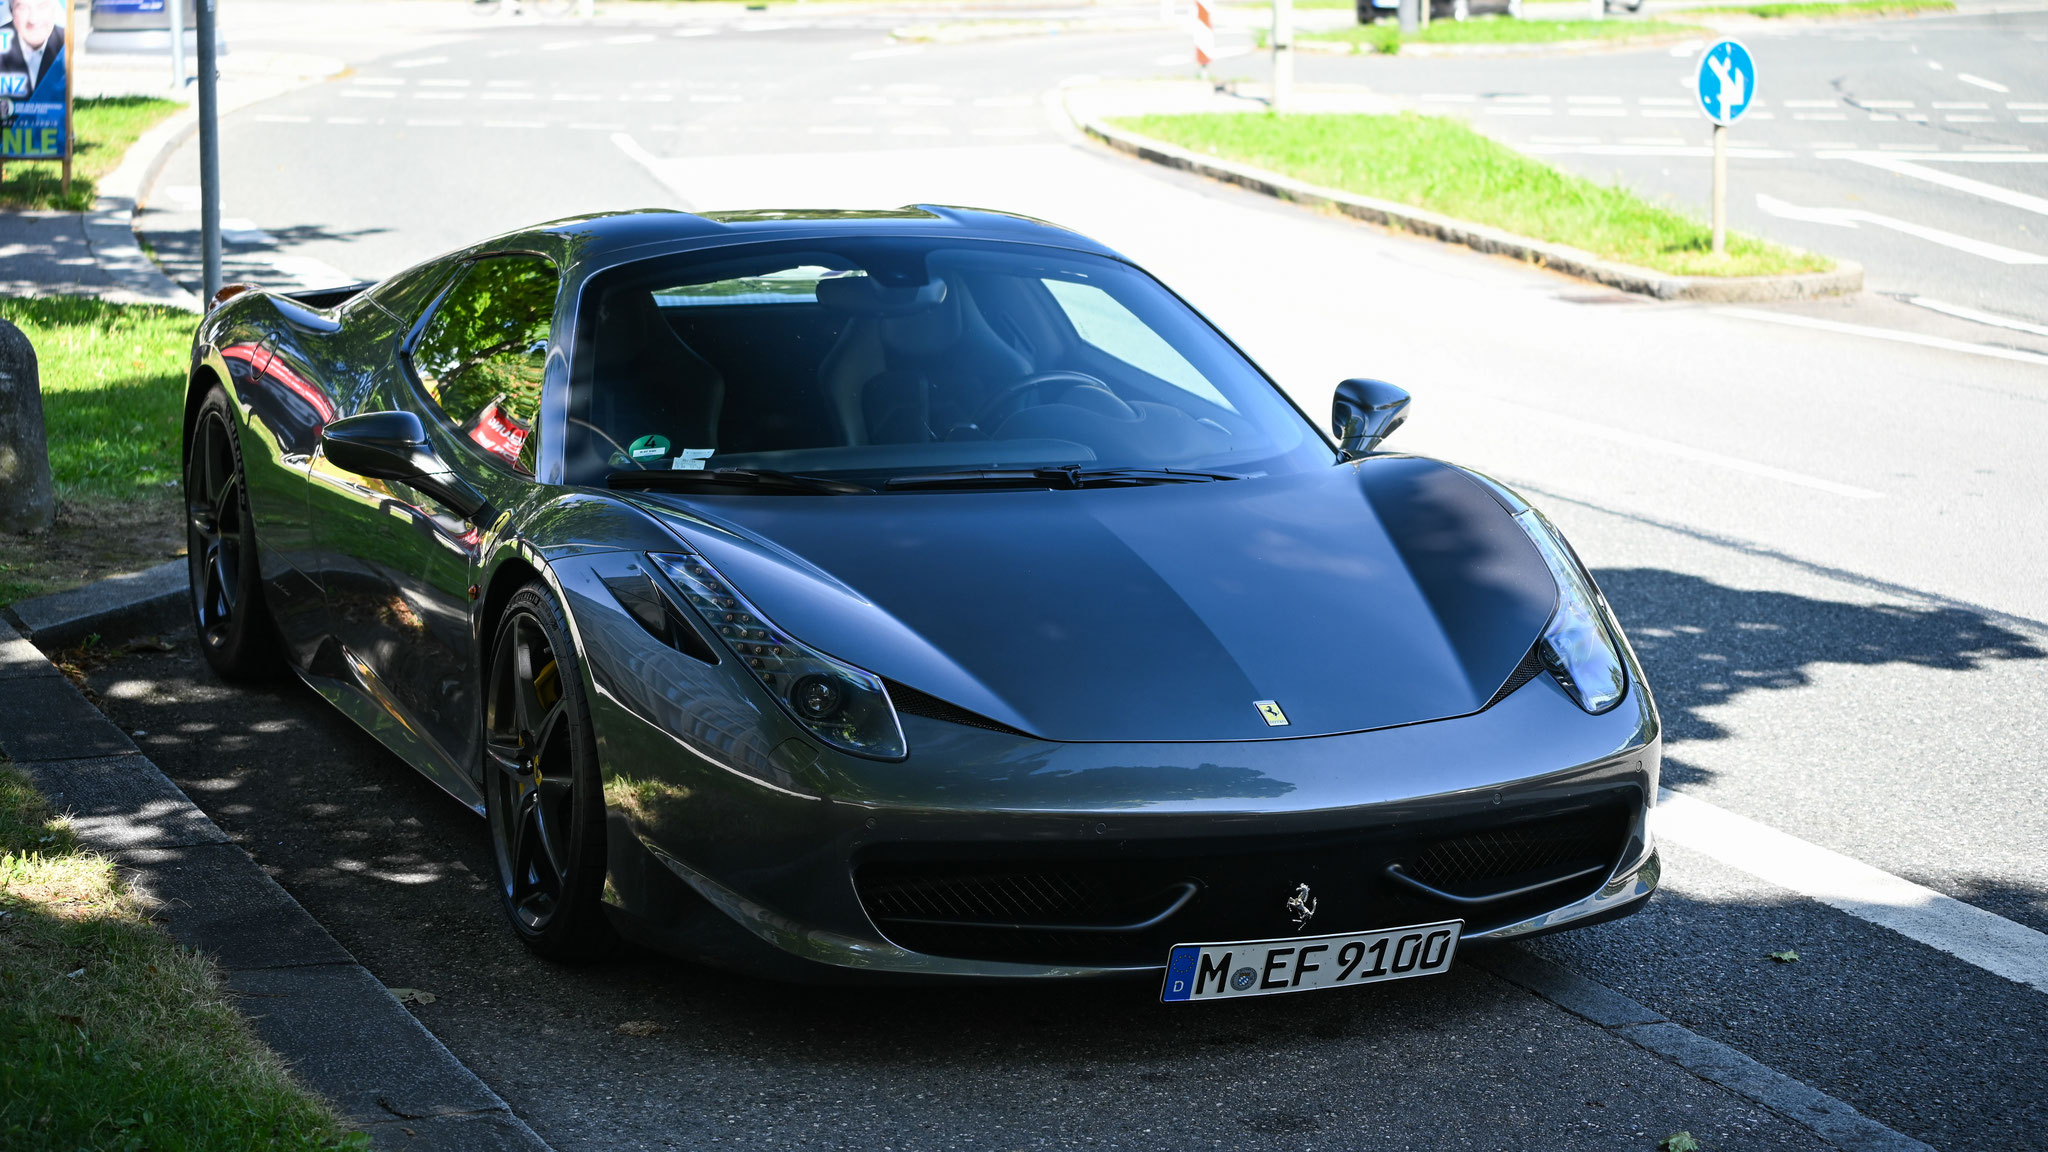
<point>1726,82</point>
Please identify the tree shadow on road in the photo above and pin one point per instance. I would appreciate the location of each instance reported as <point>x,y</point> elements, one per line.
<point>1703,644</point>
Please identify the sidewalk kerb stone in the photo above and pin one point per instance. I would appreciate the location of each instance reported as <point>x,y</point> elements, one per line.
<point>130,604</point>
<point>342,1032</point>
<point>1847,276</point>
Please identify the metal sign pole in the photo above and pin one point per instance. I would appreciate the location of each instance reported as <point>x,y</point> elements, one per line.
<point>1283,54</point>
<point>178,73</point>
<point>1720,188</point>
<point>209,153</point>
<point>1410,21</point>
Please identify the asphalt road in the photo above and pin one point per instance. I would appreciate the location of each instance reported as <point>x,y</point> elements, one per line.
<point>1825,541</point>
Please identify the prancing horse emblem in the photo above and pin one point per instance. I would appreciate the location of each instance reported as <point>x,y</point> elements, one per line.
<point>1301,906</point>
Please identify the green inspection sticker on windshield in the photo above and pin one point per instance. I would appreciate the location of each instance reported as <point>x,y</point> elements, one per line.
<point>648,448</point>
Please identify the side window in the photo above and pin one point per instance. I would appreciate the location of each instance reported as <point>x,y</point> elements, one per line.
<point>1110,327</point>
<point>484,352</point>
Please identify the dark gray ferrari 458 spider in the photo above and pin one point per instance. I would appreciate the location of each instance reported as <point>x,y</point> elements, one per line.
<point>927,593</point>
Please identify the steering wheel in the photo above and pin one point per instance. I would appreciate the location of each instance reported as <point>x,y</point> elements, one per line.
<point>995,403</point>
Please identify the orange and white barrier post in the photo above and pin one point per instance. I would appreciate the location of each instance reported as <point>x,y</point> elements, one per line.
<point>1204,29</point>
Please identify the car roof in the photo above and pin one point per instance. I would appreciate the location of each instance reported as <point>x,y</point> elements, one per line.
<point>606,238</point>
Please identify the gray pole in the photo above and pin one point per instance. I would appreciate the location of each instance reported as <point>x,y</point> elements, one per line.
<point>1410,19</point>
<point>1283,54</point>
<point>178,74</point>
<point>1720,188</point>
<point>209,152</point>
<point>27,502</point>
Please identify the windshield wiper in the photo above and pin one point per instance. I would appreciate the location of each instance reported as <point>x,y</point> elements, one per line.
<point>1069,477</point>
<point>731,480</point>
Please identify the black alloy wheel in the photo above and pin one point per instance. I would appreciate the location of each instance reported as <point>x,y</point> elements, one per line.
<point>220,544</point>
<point>542,793</point>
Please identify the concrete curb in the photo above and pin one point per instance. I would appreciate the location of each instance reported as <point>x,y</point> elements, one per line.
<point>131,604</point>
<point>1846,278</point>
<point>344,1035</point>
<point>1550,48</point>
<point>110,226</point>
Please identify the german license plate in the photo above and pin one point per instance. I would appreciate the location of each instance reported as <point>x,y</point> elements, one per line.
<point>1270,967</point>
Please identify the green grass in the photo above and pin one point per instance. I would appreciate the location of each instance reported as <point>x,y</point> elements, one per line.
<point>112,377</point>
<point>111,1035</point>
<point>1821,11</point>
<point>105,126</point>
<point>1385,36</point>
<point>1445,166</point>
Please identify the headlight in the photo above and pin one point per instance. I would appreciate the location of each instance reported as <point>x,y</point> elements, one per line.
<point>838,703</point>
<point>1576,646</point>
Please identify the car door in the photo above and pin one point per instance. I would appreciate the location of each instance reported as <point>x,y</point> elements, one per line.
<point>396,564</point>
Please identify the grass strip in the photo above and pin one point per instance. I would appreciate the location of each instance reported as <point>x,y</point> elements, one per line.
<point>104,127</point>
<point>1824,11</point>
<point>111,1035</point>
<point>1384,37</point>
<point>1445,166</point>
<point>112,383</point>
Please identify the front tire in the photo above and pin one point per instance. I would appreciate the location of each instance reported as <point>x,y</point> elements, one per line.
<point>228,613</point>
<point>542,794</point>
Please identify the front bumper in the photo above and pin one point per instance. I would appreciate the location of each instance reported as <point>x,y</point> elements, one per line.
<point>737,841</point>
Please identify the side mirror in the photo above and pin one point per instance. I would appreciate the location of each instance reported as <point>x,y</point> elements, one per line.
<point>1364,413</point>
<point>394,446</point>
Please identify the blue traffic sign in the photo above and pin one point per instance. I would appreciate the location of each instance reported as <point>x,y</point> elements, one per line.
<point>1726,83</point>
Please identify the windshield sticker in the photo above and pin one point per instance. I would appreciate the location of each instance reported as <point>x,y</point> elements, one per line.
<point>647,448</point>
<point>692,459</point>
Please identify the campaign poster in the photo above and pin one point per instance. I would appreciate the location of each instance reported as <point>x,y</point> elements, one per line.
<point>35,83</point>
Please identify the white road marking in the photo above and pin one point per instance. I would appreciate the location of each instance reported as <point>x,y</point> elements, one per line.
<point>587,126</point>
<point>508,95</point>
<point>2006,196</point>
<point>714,98</point>
<point>419,61</point>
<point>1440,97</point>
<point>1830,144</point>
<point>1518,110</point>
<point>1936,65</point>
<point>1995,148</point>
<point>440,95</point>
<point>433,123</point>
<point>1812,103</point>
<point>380,81</point>
<point>1991,350</point>
<point>2034,119</point>
<point>683,32</point>
<point>513,124</point>
<point>1592,99</point>
<point>1884,116</point>
<point>1005,101</point>
<point>1535,98</point>
<point>926,101</point>
<point>271,118</point>
<point>1960,104</point>
<point>1599,111</point>
<point>633,38</point>
<point>1820,115</point>
<point>2026,106</point>
<point>346,120</point>
<point>1668,113</point>
<point>841,130</point>
<point>1565,139</point>
<point>1851,217</point>
<point>1972,314</point>
<point>444,83</point>
<point>1982,939</point>
<point>1884,103</point>
<point>576,97</point>
<point>368,94</point>
<point>885,53</point>
<point>1655,141</point>
<point>1652,150</point>
<point>1981,82</point>
<point>1004,132</point>
<point>1687,452</point>
<point>1664,102</point>
<point>1967,119</point>
<point>860,100</point>
<point>564,45</point>
<point>919,130</point>
<point>240,231</point>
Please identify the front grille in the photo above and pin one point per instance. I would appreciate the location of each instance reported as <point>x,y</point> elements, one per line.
<point>1124,905</point>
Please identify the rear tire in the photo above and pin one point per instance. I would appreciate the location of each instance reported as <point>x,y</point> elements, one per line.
<point>228,613</point>
<point>542,793</point>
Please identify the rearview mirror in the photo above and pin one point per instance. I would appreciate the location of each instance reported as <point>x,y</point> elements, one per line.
<point>394,446</point>
<point>1364,413</point>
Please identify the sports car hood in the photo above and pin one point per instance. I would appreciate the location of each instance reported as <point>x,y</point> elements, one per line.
<point>1384,592</point>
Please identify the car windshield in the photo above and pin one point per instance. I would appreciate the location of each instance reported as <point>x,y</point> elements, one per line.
<point>914,360</point>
